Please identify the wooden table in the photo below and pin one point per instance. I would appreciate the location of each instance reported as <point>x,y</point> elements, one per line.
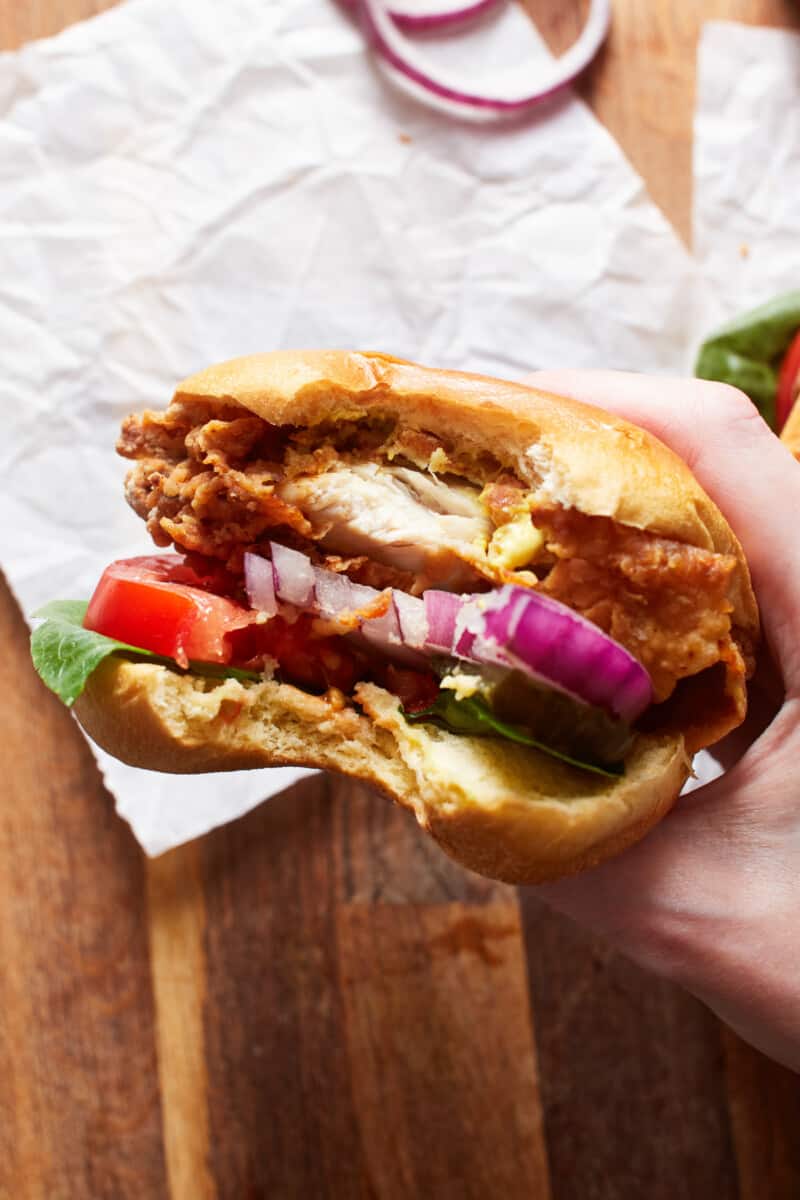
<point>313,1002</point>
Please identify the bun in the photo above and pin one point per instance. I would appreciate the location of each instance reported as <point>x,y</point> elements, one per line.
<point>505,811</point>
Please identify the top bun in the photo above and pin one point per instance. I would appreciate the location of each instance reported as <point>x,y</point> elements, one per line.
<point>570,454</point>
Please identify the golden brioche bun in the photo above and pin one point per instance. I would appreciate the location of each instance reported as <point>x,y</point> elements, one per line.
<point>504,810</point>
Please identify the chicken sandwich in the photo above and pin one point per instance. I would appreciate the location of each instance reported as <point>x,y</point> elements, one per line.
<point>516,614</point>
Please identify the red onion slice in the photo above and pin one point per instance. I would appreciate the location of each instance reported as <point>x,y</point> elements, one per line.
<point>332,594</point>
<point>384,629</point>
<point>544,638</point>
<point>422,16</point>
<point>259,584</point>
<point>385,633</point>
<point>412,619</point>
<point>509,91</point>
<point>298,582</point>
<point>418,16</point>
<point>441,611</point>
<point>293,575</point>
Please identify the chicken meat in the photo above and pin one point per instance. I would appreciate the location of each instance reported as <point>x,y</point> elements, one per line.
<point>397,516</point>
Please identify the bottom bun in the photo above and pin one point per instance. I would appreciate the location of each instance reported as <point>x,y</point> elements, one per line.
<point>503,810</point>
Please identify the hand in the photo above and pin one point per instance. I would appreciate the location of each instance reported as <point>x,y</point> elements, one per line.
<point>711,898</point>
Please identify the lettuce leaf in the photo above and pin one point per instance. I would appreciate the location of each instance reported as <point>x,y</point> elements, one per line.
<point>473,716</point>
<point>65,654</point>
<point>747,352</point>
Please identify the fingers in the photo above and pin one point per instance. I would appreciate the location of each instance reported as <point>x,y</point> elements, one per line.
<point>737,459</point>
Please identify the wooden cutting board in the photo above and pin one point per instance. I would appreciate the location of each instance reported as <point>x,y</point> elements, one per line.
<point>313,1002</point>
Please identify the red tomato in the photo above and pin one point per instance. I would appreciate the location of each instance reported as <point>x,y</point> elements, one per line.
<point>160,603</point>
<point>415,689</point>
<point>153,602</point>
<point>787,382</point>
<point>313,662</point>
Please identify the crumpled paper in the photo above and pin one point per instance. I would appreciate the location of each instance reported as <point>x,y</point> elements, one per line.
<point>747,163</point>
<point>185,182</point>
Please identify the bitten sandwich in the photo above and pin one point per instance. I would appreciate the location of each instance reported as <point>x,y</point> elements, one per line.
<point>516,614</point>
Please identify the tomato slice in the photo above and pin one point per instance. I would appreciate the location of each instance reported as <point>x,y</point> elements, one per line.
<point>303,657</point>
<point>161,602</point>
<point>787,382</point>
<point>415,689</point>
<point>155,602</point>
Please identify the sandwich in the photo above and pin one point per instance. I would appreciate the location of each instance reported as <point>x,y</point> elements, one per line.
<point>759,352</point>
<point>515,614</point>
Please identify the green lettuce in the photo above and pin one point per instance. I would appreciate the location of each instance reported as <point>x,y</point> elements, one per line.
<point>473,716</point>
<point>747,352</point>
<point>65,654</point>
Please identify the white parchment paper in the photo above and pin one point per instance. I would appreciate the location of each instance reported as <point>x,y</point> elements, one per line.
<point>183,181</point>
<point>747,163</point>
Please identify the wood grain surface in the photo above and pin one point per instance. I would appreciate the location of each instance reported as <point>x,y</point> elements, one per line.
<point>313,1002</point>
